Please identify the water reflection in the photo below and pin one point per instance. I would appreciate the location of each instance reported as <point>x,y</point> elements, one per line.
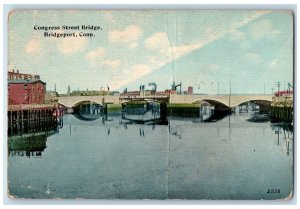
<point>88,111</point>
<point>21,127</point>
<point>30,140</point>
<point>121,159</point>
<point>29,145</point>
<point>177,127</point>
<point>145,112</point>
<point>206,111</point>
<point>284,132</point>
<point>150,113</point>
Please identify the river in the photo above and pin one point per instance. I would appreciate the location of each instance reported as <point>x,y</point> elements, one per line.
<point>108,158</point>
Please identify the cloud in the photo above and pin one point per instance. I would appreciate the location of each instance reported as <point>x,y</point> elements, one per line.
<point>71,45</point>
<point>139,70</point>
<point>129,75</point>
<point>111,63</point>
<point>160,42</point>
<point>130,34</point>
<point>95,55</point>
<point>33,46</point>
<point>185,49</point>
<point>157,40</point>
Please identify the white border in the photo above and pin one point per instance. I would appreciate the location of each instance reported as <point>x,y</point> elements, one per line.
<point>154,4</point>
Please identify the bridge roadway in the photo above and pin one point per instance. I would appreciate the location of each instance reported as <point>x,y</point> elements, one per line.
<point>228,100</point>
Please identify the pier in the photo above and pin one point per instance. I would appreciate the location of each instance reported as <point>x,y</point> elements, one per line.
<point>282,108</point>
<point>25,119</point>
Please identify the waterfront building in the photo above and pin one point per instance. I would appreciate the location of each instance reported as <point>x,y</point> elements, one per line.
<point>25,89</point>
<point>51,96</point>
<point>16,75</point>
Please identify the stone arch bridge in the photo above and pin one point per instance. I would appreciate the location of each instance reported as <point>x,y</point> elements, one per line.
<point>229,101</point>
<point>225,101</point>
<point>73,101</point>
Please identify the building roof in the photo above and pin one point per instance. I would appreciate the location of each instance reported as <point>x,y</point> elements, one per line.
<point>25,81</point>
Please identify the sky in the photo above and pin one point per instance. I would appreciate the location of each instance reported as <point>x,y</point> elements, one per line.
<point>205,49</point>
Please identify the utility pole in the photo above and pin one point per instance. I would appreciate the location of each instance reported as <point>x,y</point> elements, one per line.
<point>264,88</point>
<point>289,87</point>
<point>69,90</point>
<point>278,85</point>
<point>229,92</point>
<point>218,88</point>
<point>180,87</point>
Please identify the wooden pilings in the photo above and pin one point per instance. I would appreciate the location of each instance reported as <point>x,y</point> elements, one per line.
<point>25,121</point>
<point>281,113</point>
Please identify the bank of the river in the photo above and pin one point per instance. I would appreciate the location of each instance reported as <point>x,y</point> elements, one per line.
<point>114,107</point>
<point>183,109</point>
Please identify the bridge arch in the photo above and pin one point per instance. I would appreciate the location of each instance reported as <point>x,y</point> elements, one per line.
<point>85,101</point>
<point>219,105</point>
<point>67,104</point>
<point>90,110</point>
<point>87,118</point>
<point>258,102</point>
<point>212,109</point>
<point>72,101</point>
<point>263,104</point>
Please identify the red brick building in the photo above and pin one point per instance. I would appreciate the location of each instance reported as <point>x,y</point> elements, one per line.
<point>20,76</point>
<point>25,91</point>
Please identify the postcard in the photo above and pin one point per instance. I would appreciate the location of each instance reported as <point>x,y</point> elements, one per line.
<point>150,104</point>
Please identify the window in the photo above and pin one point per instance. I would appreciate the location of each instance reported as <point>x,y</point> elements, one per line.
<point>25,87</point>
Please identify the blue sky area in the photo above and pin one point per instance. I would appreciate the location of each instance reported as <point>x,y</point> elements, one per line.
<point>251,49</point>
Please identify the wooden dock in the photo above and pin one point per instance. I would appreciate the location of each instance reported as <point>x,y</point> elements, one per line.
<point>25,119</point>
<point>282,109</point>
